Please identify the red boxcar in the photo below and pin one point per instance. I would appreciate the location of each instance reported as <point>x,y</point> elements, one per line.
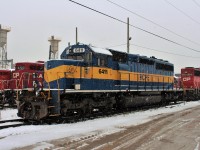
<point>27,76</point>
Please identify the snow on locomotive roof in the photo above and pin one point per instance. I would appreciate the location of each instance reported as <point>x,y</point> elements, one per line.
<point>100,50</point>
<point>107,51</point>
<point>64,60</point>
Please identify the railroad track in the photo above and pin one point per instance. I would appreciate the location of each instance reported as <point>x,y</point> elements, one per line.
<point>3,107</point>
<point>73,119</point>
<point>12,123</point>
<point>21,122</point>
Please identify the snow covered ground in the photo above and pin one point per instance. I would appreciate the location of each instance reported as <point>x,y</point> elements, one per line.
<point>38,134</point>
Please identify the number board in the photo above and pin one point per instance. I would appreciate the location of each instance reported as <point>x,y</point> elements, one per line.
<point>78,50</point>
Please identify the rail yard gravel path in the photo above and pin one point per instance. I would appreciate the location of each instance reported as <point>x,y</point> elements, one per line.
<point>171,131</point>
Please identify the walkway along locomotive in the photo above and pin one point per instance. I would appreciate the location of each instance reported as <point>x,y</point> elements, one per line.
<point>88,79</point>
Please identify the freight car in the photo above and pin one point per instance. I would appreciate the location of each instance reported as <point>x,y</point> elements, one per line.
<point>26,76</point>
<point>88,79</point>
<point>190,78</point>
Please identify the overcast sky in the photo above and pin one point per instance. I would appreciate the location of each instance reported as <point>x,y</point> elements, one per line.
<point>32,22</point>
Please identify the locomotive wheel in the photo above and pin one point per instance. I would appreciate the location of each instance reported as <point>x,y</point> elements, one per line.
<point>28,111</point>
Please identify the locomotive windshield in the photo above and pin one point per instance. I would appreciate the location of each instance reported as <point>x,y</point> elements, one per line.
<point>79,54</point>
<point>4,73</point>
<point>75,57</point>
<point>76,53</point>
<point>86,57</point>
<point>196,72</point>
<point>186,74</point>
<point>34,67</point>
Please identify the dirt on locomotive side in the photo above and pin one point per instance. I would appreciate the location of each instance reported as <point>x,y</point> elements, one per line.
<point>175,131</point>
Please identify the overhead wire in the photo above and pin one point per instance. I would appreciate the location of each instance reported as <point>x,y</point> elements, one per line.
<point>185,14</point>
<point>152,49</point>
<point>166,39</point>
<point>118,45</point>
<point>164,51</point>
<point>196,3</point>
<point>114,3</point>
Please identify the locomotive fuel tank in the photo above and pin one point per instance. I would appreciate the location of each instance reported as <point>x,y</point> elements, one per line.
<point>128,100</point>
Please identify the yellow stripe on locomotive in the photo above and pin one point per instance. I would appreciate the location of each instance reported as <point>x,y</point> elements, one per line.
<point>102,73</point>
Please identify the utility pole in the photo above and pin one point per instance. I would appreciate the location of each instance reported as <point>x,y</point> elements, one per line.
<point>76,35</point>
<point>128,37</point>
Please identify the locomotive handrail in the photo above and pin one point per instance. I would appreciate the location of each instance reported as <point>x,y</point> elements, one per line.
<point>29,74</point>
<point>168,83</point>
<point>17,85</point>
<point>3,81</point>
<point>0,82</point>
<point>184,89</point>
<point>15,81</point>
<point>20,79</point>
<point>58,87</point>
<point>121,72</point>
<point>3,94</point>
<point>49,96</point>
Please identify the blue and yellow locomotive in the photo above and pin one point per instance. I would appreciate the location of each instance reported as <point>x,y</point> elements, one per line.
<point>88,79</point>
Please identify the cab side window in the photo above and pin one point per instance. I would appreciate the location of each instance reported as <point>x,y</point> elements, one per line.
<point>102,62</point>
<point>88,57</point>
